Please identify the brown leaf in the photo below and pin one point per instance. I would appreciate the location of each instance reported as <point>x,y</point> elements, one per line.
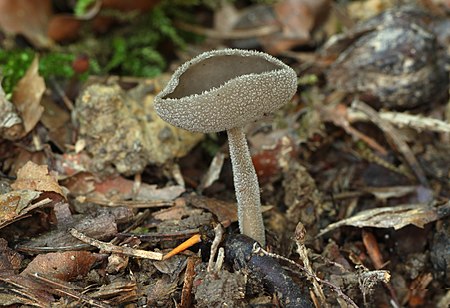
<point>57,120</point>
<point>36,177</point>
<point>174,213</point>
<point>61,265</point>
<point>395,217</point>
<point>223,210</point>
<point>27,96</point>
<point>9,259</point>
<point>29,18</point>
<point>119,291</point>
<point>15,204</point>
<point>298,19</point>
<point>26,291</point>
<point>64,28</point>
<point>115,188</point>
<point>100,225</point>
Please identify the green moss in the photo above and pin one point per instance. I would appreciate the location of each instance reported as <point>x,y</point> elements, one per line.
<point>14,64</point>
<point>82,6</point>
<point>56,65</point>
<point>134,49</point>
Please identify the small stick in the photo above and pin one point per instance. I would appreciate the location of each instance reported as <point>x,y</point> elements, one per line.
<point>189,275</point>
<point>131,203</point>
<point>219,231</point>
<point>139,253</point>
<point>373,250</point>
<point>63,288</point>
<point>196,238</point>
<point>220,260</point>
<point>140,219</point>
<point>300,236</point>
<point>400,119</point>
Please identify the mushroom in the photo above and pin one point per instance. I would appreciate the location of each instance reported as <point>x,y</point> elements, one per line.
<point>224,90</point>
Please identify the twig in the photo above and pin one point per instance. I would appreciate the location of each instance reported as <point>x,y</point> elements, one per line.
<point>140,219</point>
<point>400,119</point>
<point>394,138</point>
<point>213,172</point>
<point>300,236</point>
<point>219,231</point>
<point>62,94</point>
<point>139,253</point>
<point>219,260</point>
<point>62,288</point>
<point>189,275</point>
<point>131,203</point>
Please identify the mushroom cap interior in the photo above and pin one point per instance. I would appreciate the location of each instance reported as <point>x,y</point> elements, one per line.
<point>215,71</point>
<point>222,89</point>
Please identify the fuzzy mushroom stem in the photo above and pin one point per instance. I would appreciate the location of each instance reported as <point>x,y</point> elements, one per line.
<point>225,90</point>
<point>246,187</point>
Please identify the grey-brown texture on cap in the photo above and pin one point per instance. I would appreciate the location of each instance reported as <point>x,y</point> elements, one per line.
<point>223,89</point>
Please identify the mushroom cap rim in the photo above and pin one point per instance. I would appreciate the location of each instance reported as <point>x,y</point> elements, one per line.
<point>282,79</point>
<point>174,80</point>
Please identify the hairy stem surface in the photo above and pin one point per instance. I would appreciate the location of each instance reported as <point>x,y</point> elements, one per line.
<point>246,187</point>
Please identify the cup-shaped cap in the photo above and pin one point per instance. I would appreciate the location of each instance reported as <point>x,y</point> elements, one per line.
<point>224,89</point>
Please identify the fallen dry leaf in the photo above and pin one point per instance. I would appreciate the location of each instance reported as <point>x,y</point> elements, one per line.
<point>10,260</point>
<point>224,211</point>
<point>117,188</point>
<point>36,177</point>
<point>64,28</point>
<point>23,290</point>
<point>119,291</point>
<point>29,18</point>
<point>395,217</point>
<point>99,225</point>
<point>16,204</point>
<point>57,120</point>
<point>27,96</point>
<point>298,19</point>
<point>174,213</point>
<point>61,265</point>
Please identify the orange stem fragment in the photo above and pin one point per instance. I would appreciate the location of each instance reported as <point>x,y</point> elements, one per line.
<point>196,238</point>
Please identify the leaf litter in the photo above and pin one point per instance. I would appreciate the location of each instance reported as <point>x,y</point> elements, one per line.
<point>355,190</point>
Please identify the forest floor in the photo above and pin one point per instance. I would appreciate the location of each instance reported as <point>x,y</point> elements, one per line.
<point>354,171</point>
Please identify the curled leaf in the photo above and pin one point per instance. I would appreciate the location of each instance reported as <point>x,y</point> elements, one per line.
<point>36,177</point>
<point>395,217</point>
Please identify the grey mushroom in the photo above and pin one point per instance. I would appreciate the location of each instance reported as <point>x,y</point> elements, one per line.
<point>225,90</point>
